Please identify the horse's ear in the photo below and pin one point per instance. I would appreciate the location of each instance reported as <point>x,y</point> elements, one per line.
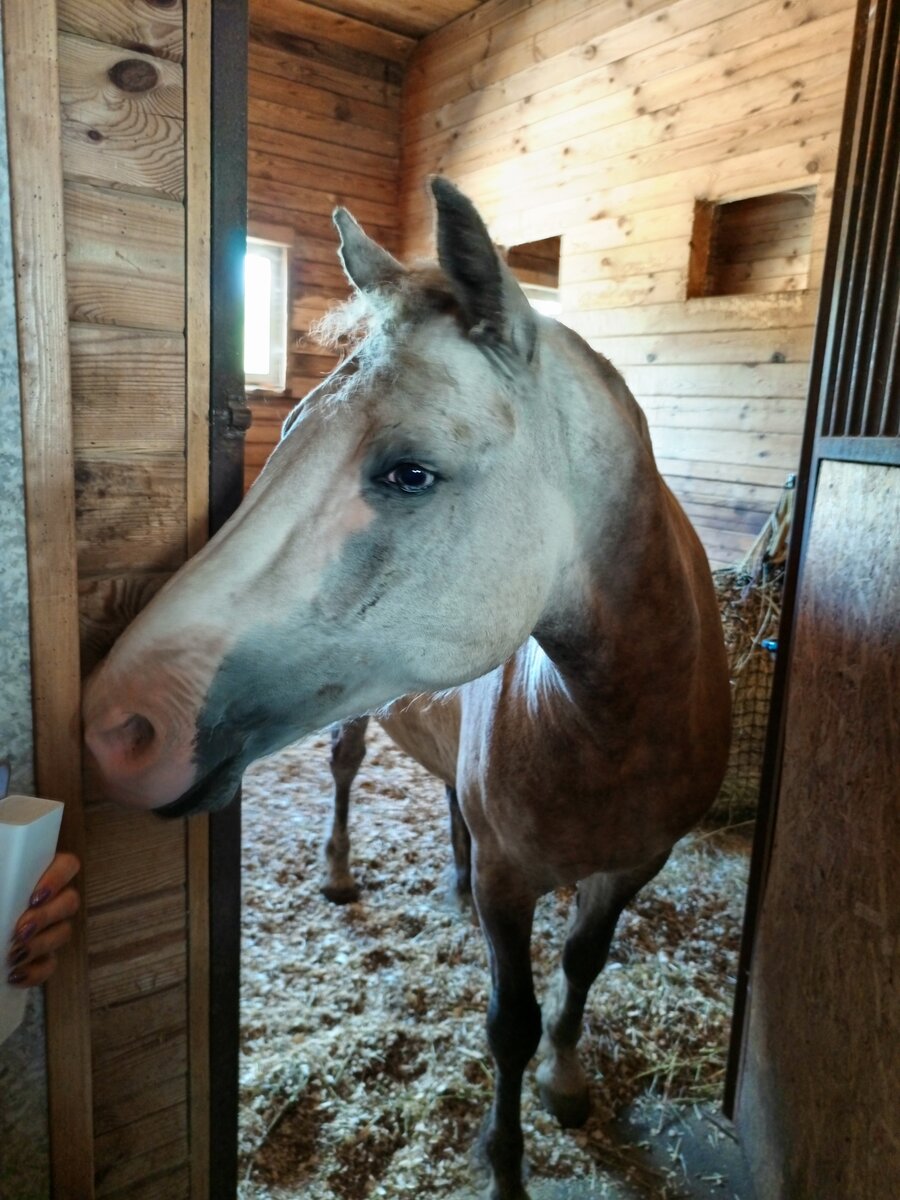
<point>494,304</point>
<point>366,264</point>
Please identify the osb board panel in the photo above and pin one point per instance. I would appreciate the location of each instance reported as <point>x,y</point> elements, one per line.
<point>818,1099</point>
<point>613,118</point>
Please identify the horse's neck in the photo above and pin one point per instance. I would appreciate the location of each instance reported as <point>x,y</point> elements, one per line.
<point>627,598</point>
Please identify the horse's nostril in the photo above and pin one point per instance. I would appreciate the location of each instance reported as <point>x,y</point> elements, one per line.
<point>137,734</point>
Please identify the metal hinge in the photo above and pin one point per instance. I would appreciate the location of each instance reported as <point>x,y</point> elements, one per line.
<point>240,418</point>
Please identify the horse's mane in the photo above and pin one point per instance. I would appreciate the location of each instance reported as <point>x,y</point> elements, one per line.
<point>422,292</point>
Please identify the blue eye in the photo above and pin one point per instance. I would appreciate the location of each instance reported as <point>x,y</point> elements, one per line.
<point>410,478</point>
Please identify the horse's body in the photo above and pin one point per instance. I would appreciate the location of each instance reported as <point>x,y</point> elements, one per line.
<point>467,515</point>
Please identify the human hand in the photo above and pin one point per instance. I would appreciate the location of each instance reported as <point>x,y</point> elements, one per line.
<point>45,926</point>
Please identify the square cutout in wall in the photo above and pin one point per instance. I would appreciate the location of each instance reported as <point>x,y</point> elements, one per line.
<point>758,245</point>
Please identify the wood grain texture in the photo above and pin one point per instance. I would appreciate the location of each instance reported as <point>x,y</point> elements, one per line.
<point>127,390</point>
<point>123,131</point>
<point>141,25</point>
<point>316,23</point>
<point>818,1092</point>
<point>198,172</point>
<point>615,120</point>
<point>32,98</point>
<point>124,258</point>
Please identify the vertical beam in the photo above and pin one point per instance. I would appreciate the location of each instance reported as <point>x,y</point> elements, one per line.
<point>229,225</point>
<point>198,236</point>
<point>32,95</point>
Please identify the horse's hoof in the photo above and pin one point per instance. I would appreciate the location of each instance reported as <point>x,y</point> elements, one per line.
<point>343,893</point>
<point>571,1109</point>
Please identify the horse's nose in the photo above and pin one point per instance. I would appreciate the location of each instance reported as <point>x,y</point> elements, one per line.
<point>142,762</point>
<point>122,743</point>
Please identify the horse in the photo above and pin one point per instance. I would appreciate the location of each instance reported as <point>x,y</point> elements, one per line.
<point>463,531</point>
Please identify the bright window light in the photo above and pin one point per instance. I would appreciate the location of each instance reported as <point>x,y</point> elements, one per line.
<point>265,314</point>
<point>544,300</point>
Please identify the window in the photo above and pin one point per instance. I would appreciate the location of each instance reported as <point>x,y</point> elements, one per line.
<point>265,314</point>
<point>758,245</point>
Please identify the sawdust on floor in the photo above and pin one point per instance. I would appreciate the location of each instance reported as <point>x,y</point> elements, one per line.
<point>364,1065</point>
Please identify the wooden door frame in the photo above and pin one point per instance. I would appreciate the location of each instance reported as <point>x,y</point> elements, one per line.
<point>852,228</point>
<point>228,417</point>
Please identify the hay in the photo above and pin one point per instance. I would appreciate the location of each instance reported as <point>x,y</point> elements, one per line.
<point>749,596</point>
<point>365,1070</point>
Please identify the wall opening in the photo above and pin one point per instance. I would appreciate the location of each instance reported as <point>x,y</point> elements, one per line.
<point>536,266</point>
<point>758,245</point>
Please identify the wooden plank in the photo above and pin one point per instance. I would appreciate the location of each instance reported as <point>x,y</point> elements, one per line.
<point>741,346</point>
<point>411,20</point>
<point>131,513</point>
<point>317,24</point>
<point>360,167</point>
<point>127,390</point>
<point>287,184</point>
<point>308,98</point>
<point>198,179</point>
<point>31,63</point>
<point>137,947</point>
<point>780,451</point>
<point>107,604</point>
<point>152,1082</point>
<point>126,1156</point>
<point>166,1185</point>
<point>834,874</point>
<point>288,119</point>
<point>787,380</point>
<point>748,414</point>
<point>122,120</point>
<point>655,78</point>
<point>150,28</point>
<point>326,77</point>
<point>124,258</point>
<point>328,54</point>
<point>136,854</point>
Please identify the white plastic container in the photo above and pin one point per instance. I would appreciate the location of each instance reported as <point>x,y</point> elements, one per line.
<point>29,828</point>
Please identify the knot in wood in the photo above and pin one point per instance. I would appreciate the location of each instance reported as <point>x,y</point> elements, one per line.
<point>134,75</point>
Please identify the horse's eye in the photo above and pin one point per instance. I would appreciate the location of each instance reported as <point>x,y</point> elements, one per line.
<point>409,477</point>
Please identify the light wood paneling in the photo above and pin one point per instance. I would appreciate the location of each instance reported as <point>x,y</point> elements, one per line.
<point>605,122</point>
<point>124,259</point>
<point>142,25</point>
<point>36,184</point>
<point>324,130</point>
<point>122,118</point>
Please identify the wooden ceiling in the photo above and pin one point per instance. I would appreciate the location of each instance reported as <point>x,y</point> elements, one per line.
<point>389,28</point>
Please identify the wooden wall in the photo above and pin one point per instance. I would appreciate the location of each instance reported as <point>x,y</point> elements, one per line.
<point>324,130</point>
<point>605,122</point>
<point>133,377</point>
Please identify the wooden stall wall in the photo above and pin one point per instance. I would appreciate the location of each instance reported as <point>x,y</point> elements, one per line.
<point>324,130</point>
<point>139,399</point>
<point>610,122</point>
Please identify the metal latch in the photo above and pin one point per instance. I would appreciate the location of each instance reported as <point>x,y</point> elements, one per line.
<point>240,418</point>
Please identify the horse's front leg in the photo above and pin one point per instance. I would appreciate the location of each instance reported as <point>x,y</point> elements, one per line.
<point>601,898</point>
<point>513,1024</point>
<point>348,749</point>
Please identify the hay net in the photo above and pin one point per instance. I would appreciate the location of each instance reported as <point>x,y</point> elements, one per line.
<point>749,595</point>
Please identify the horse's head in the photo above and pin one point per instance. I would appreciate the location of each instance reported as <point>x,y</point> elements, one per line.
<point>405,536</point>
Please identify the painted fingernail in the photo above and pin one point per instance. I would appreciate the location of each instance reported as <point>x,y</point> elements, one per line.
<point>39,897</point>
<point>15,977</point>
<point>16,957</point>
<point>23,934</point>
